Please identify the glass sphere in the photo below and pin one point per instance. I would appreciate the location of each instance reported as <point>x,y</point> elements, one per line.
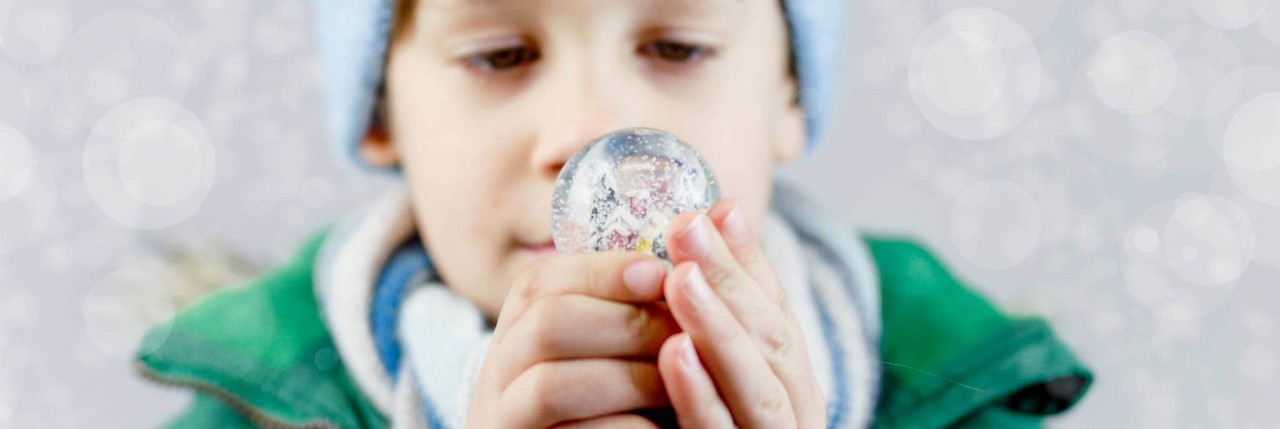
<point>621,191</point>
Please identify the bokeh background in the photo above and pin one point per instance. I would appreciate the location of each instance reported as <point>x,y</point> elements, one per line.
<point>1113,165</point>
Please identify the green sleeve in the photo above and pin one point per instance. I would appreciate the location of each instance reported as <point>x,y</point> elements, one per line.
<point>208,412</point>
<point>952,359</point>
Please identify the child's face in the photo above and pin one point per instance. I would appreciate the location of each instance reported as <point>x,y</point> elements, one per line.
<point>487,99</point>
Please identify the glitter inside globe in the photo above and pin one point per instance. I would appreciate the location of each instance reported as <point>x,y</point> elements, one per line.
<point>620,191</point>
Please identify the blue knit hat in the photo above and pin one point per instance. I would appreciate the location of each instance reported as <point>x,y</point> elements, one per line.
<point>353,37</point>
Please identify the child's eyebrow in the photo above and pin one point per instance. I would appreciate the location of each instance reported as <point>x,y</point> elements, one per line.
<point>450,4</point>
<point>450,16</point>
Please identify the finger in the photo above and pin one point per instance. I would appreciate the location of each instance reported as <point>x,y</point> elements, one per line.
<point>763,312</point>
<point>615,276</point>
<point>789,360</point>
<point>569,390</point>
<point>576,326</point>
<point>731,221</point>
<point>693,238</point>
<point>743,376</point>
<point>692,393</point>
<point>624,421</point>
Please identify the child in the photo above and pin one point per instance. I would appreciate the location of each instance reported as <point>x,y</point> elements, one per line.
<point>774,315</point>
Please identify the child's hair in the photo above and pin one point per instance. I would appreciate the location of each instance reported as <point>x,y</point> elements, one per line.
<point>403,23</point>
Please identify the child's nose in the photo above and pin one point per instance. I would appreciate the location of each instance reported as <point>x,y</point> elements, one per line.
<point>574,122</point>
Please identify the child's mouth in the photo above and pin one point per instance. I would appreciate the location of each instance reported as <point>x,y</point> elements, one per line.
<point>539,249</point>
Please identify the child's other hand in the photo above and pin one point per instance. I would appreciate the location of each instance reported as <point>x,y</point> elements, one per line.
<point>742,359</point>
<point>577,339</point>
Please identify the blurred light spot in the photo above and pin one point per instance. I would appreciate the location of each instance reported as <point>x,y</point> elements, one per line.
<point>37,30</point>
<point>21,307</point>
<point>1207,243</point>
<point>25,214</point>
<point>1156,401</point>
<point>1226,94</point>
<point>1269,23</point>
<point>1106,322</point>
<point>276,35</point>
<point>160,164</point>
<point>1257,323</point>
<point>17,96</point>
<point>1145,239</point>
<point>1215,238</point>
<point>1036,16</point>
<point>58,257</point>
<point>1252,142</point>
<point>1258,363</point>
<point>1175,10</point>
<point>995,224</point>
<point>1205,55</point>
<point>119,56</point>
<point>963,74</point>
<point>120,308</point>
<point>1096,21</point>
<point>17,162</point>
<point>1133,72</point>
<point>1251,148</point>
<point>1229,14</point>
<point>1190,95</point>
<point>974,74</point>
<point>1266,224</point>
<point>1202,44</point>
<point>148,163</point>
<point>1122,138</point>
<point>1135,10</point>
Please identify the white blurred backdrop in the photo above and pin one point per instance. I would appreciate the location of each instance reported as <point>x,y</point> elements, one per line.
<point>1113,165</point>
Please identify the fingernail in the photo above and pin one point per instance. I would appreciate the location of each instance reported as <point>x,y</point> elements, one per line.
<point>696,287</point>
<point>696,235</point>
<point>688,354</point>
<point>643,277</point>
<point>735,225</point>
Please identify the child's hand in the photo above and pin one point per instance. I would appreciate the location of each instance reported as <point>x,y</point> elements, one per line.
<point>751,366</point>
<point>577,339</point>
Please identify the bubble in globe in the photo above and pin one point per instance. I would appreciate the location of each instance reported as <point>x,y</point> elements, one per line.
<point>621,191</point>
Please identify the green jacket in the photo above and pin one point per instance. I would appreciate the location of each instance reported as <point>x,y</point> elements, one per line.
<point>260,355</point>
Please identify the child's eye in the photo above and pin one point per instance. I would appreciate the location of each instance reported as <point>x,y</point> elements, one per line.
<point>503,59</point>
<point>675,52</point>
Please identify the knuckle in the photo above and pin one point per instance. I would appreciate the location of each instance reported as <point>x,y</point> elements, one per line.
<point>547,393</point>
<point>778,344</point>
<point>748,254</point>
<point>769,406</point>
<point>723,280</point>
<point>639,321</point>
<point>529,279</point>
<point>541,319</point>
<point>784,303</point>
<point>641,375</point>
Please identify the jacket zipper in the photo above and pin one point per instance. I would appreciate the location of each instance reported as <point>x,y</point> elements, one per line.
<point>253,414</point>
